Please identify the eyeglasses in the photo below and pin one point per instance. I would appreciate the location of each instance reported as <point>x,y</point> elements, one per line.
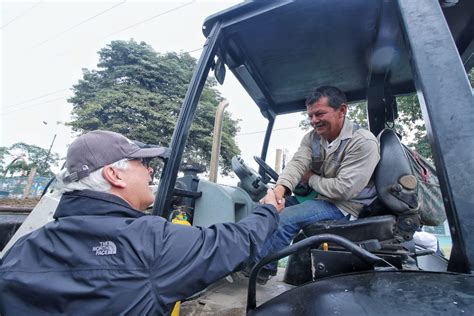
<point>146,162</point>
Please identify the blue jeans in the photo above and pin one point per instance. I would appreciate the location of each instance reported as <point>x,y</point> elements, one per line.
<point>292,219</point>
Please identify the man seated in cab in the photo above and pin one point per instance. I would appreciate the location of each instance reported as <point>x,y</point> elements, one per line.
<point>336,159</point>
<point>103,255</point>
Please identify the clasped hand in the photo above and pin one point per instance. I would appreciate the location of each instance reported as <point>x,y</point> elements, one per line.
<point>274,199</point>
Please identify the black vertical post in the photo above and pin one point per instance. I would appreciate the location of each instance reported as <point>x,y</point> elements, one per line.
<point>181,132</point>
<point>266,142</point>
<point>377,92</point>
<point>448,110</point>
<point>375,103</point>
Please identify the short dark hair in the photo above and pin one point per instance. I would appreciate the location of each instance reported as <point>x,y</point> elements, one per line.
<point>335,96</point>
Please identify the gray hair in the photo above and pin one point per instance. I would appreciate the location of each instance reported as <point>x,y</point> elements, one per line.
<point>94,181</point>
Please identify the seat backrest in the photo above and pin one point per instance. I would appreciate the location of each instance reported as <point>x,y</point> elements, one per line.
<point>396,185</point>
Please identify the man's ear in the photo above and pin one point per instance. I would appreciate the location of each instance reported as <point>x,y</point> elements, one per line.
<point>112,176</point>
<point>343,109</point>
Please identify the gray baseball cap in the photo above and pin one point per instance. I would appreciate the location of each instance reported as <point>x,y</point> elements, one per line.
<point>97,149</point>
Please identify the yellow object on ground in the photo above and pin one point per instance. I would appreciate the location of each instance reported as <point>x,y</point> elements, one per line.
<point>176,308</point>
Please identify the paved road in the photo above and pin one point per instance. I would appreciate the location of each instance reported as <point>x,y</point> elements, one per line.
<point>228,296</point>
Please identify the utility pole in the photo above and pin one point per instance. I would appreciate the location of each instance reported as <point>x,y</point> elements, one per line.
<point>278,159</point>
<point>216,141</point>
<point>31,176</point>
<point>49,153</point>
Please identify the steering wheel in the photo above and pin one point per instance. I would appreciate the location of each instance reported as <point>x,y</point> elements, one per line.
<point>266,168</point>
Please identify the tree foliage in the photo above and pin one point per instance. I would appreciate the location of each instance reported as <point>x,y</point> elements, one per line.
<point>3,158</point>
<point>21,158</point>
<point>409,125</point>
<point>138,93</point>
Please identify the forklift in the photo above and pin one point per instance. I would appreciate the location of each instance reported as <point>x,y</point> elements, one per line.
<point>373,50</point>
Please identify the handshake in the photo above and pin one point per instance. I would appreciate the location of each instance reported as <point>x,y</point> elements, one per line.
<point>275,197</point>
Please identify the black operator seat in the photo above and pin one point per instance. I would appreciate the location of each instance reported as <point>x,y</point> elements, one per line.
<point>396,217</point>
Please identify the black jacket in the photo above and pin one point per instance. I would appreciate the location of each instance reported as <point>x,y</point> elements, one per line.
<point>102,257</point>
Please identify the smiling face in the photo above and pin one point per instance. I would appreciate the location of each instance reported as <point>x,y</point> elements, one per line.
<point>326,121</point>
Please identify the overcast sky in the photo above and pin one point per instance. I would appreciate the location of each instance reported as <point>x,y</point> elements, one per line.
<point>45,45</point>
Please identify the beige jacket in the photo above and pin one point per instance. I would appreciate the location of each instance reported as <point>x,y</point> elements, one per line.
<point>342,174</point>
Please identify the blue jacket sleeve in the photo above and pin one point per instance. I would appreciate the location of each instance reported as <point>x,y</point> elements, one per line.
<point>187,259</point>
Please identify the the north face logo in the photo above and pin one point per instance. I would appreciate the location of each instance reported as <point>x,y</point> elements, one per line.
<point>105,248</point>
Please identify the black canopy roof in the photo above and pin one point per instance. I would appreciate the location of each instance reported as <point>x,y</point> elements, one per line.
<point>281,50</point>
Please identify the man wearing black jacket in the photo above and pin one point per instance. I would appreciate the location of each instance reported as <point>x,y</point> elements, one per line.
<point>103,255</point>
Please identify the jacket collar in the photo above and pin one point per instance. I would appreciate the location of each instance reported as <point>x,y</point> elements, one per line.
<point>346,132</point>
<point>87,202</point>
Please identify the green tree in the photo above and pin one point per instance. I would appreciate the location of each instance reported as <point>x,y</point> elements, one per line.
<point>3,156</point>
<point>138,92</point>
<point>358,113</point>
<point>25,157</point>
<point>409,125</point>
